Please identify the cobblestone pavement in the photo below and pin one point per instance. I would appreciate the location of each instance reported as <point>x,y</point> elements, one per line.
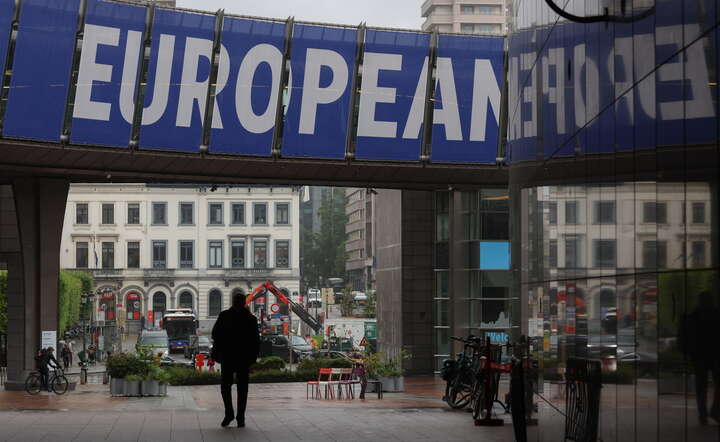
<point>277,412</point>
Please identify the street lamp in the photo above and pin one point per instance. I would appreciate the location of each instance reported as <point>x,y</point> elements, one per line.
<point>85,299</point>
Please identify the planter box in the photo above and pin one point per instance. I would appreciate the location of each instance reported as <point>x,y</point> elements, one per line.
<point>391,385</point>
<point>117,387</point>
<point>150,388</point>
<point>162,389</point>
<point>132,388</point>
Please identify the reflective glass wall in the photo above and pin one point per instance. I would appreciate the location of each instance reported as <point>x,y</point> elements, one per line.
<point>613,153</point>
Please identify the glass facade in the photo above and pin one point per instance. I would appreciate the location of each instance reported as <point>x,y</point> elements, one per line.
<point>613,153</point>
<point>472,269</point>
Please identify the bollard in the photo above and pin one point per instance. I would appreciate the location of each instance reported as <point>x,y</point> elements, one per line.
<point>83,375</point>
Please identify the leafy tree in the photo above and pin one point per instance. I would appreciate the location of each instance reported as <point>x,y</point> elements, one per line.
<point>348,303</point>
<point>371,304</point>
<point>324,252</point>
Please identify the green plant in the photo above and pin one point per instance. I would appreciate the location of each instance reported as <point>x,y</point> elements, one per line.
<point>268,363</point>
<point>315,364</point>
<point>188,376</point>
<point>268,376</point>
<point>120,365</point>
<point>371,304</point>
<point>348,303</point>
<point>378,365</point>
<point>133,377</point>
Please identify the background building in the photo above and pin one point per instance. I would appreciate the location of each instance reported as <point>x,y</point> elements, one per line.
<point>166,246</point>
<point>465,16</point>
<point>360,248</point>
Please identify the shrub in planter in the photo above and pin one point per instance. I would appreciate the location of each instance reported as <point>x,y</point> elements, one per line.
<point>317,363</point>
<point>268,363</point>
<point>120,365</point>
<point>188,376</point>
<point>270,376</point>
<point>132,385</point>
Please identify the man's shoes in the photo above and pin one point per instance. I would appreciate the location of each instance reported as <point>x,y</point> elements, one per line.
<point>240,421</point>
<point>226,421</point>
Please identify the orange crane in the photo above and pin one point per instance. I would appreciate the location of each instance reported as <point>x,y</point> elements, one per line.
<point>298,309</point>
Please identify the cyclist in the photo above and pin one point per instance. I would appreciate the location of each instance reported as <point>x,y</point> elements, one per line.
<point>46,358</point>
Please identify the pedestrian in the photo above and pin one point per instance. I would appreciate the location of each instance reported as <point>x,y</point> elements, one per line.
<point>211,364</point>
<point>142,322</point>
<point>70,350</point>
<point>236,343</point>
<point>65,355</point>
<point>698,341</point>
<point>199,361</point>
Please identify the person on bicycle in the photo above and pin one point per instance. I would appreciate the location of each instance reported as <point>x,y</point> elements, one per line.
<point>46,358</point>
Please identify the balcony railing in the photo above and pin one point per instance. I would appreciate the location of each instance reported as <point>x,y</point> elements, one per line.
<point>158,273</point>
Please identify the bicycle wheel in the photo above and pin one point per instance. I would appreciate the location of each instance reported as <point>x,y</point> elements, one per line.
<point>60,384</point>
<point>457,394</point>
<point>33,384</point>
<point>480,407</point>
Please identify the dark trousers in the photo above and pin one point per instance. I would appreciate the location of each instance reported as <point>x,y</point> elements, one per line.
<point>44,374</point>
<point>228,375</point>
<point>702,369</point>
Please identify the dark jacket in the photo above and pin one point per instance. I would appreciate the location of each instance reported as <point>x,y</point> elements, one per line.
<point>236,341</point>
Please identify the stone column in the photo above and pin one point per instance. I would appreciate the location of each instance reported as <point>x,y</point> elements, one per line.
<point>33,295</point>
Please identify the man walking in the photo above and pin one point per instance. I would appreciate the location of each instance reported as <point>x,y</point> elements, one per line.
<point>236,344</point>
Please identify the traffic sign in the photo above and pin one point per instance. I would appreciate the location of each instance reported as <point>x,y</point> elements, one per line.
<point>274,308</point>
<point>363,342</point>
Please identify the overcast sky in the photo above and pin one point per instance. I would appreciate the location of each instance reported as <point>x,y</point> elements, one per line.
<point>383,13</point>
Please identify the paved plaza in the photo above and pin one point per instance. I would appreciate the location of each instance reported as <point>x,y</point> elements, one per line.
<point>276,412</point>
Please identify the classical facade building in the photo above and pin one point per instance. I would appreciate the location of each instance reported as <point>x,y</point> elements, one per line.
<point>167,246</point>
<point>465,16</point>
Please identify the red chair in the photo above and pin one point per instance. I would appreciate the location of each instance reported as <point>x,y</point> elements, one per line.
<point>316,384</point>
<point>353,378</point>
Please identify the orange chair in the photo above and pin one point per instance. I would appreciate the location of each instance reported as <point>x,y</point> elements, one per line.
<point>316,384</point>
<point>346,380</point>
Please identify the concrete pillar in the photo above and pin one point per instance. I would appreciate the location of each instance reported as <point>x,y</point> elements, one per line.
<point>405,277</point>
<point>33,282</point>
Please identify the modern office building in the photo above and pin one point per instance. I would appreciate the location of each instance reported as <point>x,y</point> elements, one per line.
<point>359,266</point>
<point>613,156</point>
<point>443,269</point>
<point>465,16</point>
<point>167,246</point>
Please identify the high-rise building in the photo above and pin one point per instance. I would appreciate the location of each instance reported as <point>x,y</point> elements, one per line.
<point>465,16</point>
<point>359,245</point>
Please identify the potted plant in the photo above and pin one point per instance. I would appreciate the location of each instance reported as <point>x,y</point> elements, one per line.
<point>117,369</point>
<point>150,385</point>
<point>132,384</point>
<point>387,370</point>
<point>163,378</point>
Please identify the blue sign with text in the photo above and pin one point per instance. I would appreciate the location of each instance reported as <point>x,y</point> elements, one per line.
<point>316,120</point>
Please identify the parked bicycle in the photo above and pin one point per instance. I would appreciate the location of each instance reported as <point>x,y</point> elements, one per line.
<point>57,382</point>
<point>460,374</point>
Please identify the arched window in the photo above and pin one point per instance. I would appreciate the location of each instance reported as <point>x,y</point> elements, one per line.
<point>185,300</point>
<point>159,307</point>
<point>133,306</point>
<point>107,304</point>
<point>214,302</point>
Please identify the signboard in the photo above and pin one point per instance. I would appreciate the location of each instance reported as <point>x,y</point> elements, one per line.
<point>363,342</point>
<point>371,330</point>
<point>48,339</point>
<point>317,100</point>
<point>274,308</point>
<point>328,296</point>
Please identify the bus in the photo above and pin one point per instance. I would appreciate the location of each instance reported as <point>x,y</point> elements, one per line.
<point>180,324</point>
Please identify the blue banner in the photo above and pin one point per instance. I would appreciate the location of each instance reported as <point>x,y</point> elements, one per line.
<point>322,60</point>
<point>469,81</point>
<point>41,69</point>
<point>392,101</point>
<point>108,73</point>
<point>178,80</point>
<point>248,85</point>
<point>7,9</point>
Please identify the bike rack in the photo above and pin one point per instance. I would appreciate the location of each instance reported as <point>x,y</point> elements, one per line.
<point>492,379</point>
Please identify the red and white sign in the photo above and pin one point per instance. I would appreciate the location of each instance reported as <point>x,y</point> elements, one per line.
<point>274,308</point>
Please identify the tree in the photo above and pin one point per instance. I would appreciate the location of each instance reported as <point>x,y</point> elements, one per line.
<point>324,252</point>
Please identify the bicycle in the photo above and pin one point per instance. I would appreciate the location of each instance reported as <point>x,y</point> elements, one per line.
<point>460,373</point>
<point>57,381</point>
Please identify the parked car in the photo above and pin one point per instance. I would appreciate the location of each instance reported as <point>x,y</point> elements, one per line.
<point>359,297</point>
<point>157,340</point>
<point>198,344</point>
<point>313,299</point>
<point>277,345</point>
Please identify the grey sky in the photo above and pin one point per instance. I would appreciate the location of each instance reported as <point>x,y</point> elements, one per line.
<point>384,13</point>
